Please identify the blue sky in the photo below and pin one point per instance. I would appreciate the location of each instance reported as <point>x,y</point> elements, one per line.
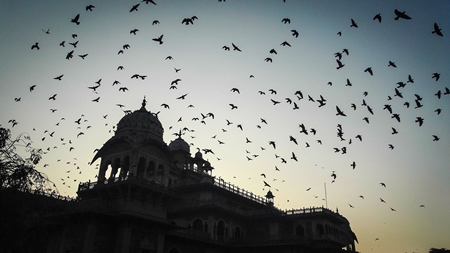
<point>416,171</point>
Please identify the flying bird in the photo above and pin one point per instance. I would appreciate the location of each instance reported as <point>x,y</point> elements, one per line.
<point>436,76</point>
<point>437,30</point>
<point>236,48</point>
<point>90,7</point>
<point>369,70</point>
<point>134,8</point>
<point>35,46</point>
<point>399,14</point>
<point>159,39</point>
<point>377,17</point>
<point>354,24</point>
<point>340,64</point>
<point>339,112</point>
<point>148,1</point>
<point>286,20</point>
<point>76,19</point>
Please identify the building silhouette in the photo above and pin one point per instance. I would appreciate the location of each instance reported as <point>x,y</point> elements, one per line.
<point>154,197</point>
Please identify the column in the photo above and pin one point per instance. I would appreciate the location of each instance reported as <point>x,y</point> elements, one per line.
<point>89,237</point>
<point>102,171</point>
<point>160,244</point>
<point>123,239</point>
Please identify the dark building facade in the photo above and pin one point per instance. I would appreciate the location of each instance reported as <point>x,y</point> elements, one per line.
<point>154,197</point>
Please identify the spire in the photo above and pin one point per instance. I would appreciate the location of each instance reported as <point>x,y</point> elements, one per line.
<point>144,102</point>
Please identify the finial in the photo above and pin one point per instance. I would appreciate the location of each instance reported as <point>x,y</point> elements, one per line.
<point>144,102</point>
<point>179,134</point>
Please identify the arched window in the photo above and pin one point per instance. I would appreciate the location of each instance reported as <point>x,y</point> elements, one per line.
<point>300,231</point>
<point>205,226</point>
<point>197,225</point>
<point>237,233</point>
<point>160,174</point>
<point>151,170</point>
<point>125,166</point>
<point>141,168</point>
<point>221,230</point>
<point>320,230</point>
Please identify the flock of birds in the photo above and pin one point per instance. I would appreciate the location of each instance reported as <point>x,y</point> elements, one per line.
<point>293,101</point>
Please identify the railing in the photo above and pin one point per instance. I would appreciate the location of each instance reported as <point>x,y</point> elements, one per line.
<point>242,192</point>
<point>96,205</point>
<point>276,239</point>
<point>307,210</point>
<point>90,185</point>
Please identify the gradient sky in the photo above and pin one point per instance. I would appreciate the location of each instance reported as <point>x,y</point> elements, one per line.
<point>416,172</point>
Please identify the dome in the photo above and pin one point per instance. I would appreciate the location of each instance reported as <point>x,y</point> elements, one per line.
<point>199,155</point>
<point>141,122</point>
<point>179,144</point>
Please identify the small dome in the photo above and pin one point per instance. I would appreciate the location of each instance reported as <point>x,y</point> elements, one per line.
<point>141,121</point>
<point>207,164</point>
<point>199,155</point>
<point>179,144</point>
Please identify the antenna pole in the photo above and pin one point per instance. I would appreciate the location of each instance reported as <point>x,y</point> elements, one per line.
<point>326,198</point>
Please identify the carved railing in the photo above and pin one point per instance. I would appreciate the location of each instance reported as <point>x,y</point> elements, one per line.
<point>310,210</point>
<point>90,185</point>
<point>92,205</point>
<point>242,192</point>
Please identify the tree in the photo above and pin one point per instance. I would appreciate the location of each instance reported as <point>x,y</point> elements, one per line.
<point>20,208</point>
<point>442,250</point>
<point>17,173</point>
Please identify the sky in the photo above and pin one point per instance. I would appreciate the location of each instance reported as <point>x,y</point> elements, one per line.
<point>415,168</point>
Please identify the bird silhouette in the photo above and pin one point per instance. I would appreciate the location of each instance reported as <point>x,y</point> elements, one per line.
<point>159,39</point>
<point>76,19</point>
<point>339,112</point>
<point>148,1</point>
<point>402,15</point>
<point>419,120</point>
<point>35,46</point>
<point>437,30</point>
<point>236,48</point>
<point>353,23</point>
<point>340,64</point>
<point>286,20</point>
<point>134,7</point>
<point>285,43</point>
<point>392,64</point>
<point>436,76</point>
<point>90,7</point>
<point>377,17</point>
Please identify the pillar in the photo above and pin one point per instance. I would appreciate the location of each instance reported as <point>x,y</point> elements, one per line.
<point>123,239</point>
<point>89,238</point>
<point>102,171</point>
<point>160,244</point>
